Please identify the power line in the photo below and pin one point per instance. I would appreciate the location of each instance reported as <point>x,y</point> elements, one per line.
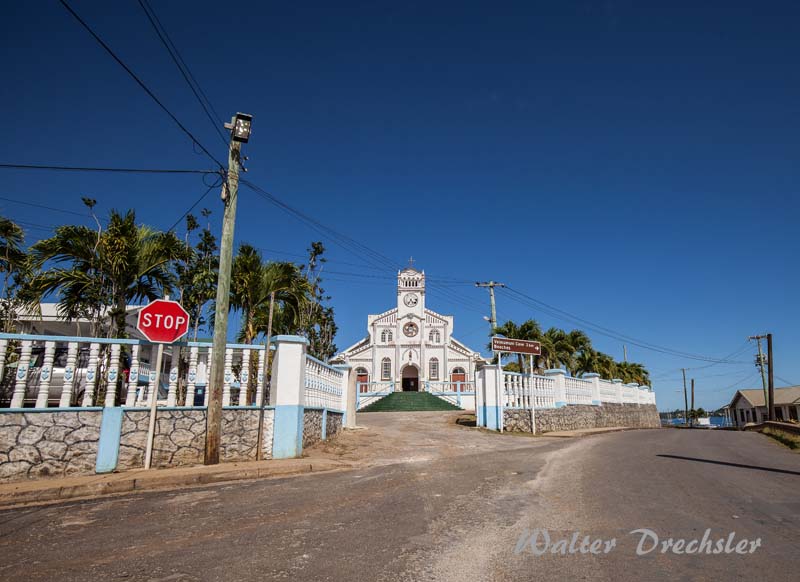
<point>564,315</point>
<point>192,207</point>
<point>44,207</point>
<point>141,83</point>
<point>785,381</point>
<point>181,64</point>
<point>96,169</point>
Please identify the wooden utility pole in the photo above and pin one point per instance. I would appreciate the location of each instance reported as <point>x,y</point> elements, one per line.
<point>692,412</point>
<point>260,438</point>
<point>230,195</point>
<point>491,285</point>
<point>685,400</point>
<point>771,403</point>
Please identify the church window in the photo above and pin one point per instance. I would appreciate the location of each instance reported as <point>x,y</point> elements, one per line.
<point>433,369</point>
<point>386,335</point>
<point>386,369</point>
<point>434,337</point>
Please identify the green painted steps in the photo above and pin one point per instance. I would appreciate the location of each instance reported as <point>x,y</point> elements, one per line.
<point>409,402</point>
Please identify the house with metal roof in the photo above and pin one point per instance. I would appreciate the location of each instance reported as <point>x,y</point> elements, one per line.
<point>749,405</point>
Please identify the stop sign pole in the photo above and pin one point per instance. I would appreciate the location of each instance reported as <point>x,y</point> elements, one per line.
<point>163,322</point>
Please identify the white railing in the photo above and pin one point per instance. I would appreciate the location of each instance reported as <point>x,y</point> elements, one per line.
<point>608,391</point>
<point>452,392</point>
<point>62,371</point>
<point>323,387</point>
<point>369,392</point>
<point>578,390</point>
<point>526,391</point>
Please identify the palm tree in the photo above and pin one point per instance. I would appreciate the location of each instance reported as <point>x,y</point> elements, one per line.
<point>252,284</point>
<point>579,343</point>
<point>13,263</point>
<point>122,264</point>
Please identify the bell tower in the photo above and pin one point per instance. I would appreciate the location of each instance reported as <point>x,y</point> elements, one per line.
<point>410,292</point>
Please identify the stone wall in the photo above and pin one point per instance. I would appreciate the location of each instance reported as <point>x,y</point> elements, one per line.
<point>61,443</point>
<point>48,444</point>
<point>312,427</point>
<point>575,417</point>
<point>334,424</point>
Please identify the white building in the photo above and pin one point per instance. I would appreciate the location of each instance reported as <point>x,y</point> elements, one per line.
<point>749,406</point>
<point>410,346</point>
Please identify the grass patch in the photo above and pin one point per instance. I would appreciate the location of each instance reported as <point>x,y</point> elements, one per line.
<point>790,440</point>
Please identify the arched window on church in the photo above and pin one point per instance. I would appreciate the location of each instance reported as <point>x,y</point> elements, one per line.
<point>434,337</point>
<point>386,369</point>
<point>386,335</point>
<point>433,369</point>
<point>362,379</point>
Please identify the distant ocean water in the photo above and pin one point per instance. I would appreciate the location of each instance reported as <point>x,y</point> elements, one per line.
<point>715,421</point>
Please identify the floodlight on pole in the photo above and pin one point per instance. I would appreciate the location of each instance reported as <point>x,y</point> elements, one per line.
<point>240,127</point>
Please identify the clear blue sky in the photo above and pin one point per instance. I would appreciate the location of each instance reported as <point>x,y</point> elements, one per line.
<point>633,163</point>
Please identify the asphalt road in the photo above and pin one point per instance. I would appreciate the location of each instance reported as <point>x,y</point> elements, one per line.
<point>445,503</point>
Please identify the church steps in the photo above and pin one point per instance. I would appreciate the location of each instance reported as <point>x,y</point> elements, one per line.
<point>409,402</point>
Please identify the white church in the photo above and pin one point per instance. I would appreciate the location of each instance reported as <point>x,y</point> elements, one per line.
<point>410,346</point>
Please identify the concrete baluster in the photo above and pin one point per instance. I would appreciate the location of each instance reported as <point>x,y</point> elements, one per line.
<point>191,376</point>
<point>174,363</point>
<point>228,378</point>
<point>244,378</point>
<point>21,379</point>
<point>209,360</point>
<point>69,375</point>
<point>46,375</point>
<point>91,374</point>
<point>3,348</point>
<point>152,389</point>
<point>133,377</point>
<point>112,375</point>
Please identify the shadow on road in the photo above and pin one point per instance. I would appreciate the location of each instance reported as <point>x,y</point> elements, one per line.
<point>741,466</point>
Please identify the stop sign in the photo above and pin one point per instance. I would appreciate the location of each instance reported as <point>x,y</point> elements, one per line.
<point>163,322</point>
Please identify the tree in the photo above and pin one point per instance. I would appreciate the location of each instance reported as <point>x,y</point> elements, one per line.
<point>253,282</point>
<point>103,271</point>
<point>318,322</point>
<point>14,266</point>
<point>197,272</point>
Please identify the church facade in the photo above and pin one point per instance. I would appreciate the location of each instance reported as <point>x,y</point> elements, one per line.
<point>410,345</point>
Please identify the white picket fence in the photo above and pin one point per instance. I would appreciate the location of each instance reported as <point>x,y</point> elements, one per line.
<point>63,371</point>
<point>556,389</point>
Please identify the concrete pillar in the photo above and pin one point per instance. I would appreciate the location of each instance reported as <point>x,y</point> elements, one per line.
<point>191,377</point>
<point>287,395</point>
<point>480,398</point>
<point>618,385</point>
<point>559,386</point>
<point>69,375</point>
<point>595,380</point>
<point>493,395</point>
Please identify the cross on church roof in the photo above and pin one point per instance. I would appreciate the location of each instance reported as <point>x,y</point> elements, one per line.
<point>411,262</point>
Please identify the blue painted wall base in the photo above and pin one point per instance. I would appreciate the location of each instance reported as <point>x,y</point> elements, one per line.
<point>108,447</point>
<point>288,432</point>
<point>494,417</point>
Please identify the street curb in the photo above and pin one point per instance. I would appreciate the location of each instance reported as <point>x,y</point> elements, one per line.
<point>152,481</point>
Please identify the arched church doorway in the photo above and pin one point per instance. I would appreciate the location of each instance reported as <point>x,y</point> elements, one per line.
<point>410,378</point>
<point>457,377</point>
<point>362,379</point>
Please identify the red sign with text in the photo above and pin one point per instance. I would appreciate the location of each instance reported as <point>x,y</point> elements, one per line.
<point>163,322</point>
